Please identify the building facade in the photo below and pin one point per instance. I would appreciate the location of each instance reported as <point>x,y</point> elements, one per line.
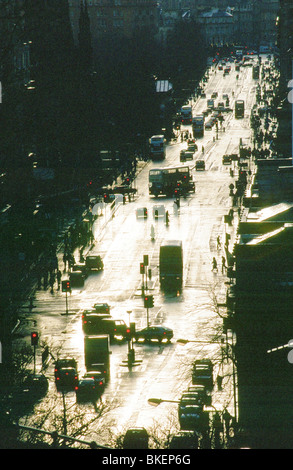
<point>115,16</point>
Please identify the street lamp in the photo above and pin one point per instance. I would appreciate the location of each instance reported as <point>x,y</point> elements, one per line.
<point>158,401</point>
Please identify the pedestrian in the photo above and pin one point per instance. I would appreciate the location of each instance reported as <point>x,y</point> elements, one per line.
<point>218,243</point>
<point>214,265</point>
<point>65,259</point>
<point>59,275</point>
<point>52,281</point>
<point>152,232</point>
<point>202,149</point>
<point>224,267</point>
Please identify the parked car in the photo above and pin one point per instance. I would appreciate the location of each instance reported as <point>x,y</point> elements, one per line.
<point>136,438</point>
<point>158,333</point>
<point>36,385</point>
<point>201,389</point>
<point>202,373</point>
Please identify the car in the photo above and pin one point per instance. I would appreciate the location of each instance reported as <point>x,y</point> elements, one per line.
<point>209,124</point>
<point>66,378</point>
<point>202,373</point>
<point>136,438</point>
<point>94,262</point>
<point>101,308</point>
<point>76,278</point>
<point>142,212</point>
<point>215,95</point>
<point>192,147</point>
<point>63,363</point>
<point>190,417</point>
<point>150,333</point>
<point>86,391</point>
<point>98,377</point>
<point>200,165</point>
<point>202,391</point>
<point>36,384</point>
<point>226,160</point>
<point>188,155</point>
<point>190,398</point>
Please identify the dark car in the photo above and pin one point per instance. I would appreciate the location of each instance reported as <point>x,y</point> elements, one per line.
<point>202,373</point>
<point>202,391</point>
<point>77,278</point>
<point>66,378</point>
<point>94,262</point>
<point>63,363</point>
<point>200,165</point>
<point>65,372</point>
<point>101,308</point>
<point>190,417</point>
<point>158,333</point>
<point>36,385</point>
<point>98,377</point>
<point>86,391</point>
<point>136,438</point>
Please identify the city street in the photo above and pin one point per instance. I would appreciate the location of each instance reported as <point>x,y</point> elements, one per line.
<point>122,237</point>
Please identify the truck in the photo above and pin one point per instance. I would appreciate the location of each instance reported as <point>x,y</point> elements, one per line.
<point>97,354</point>
<point>172,181</point>
<point>186,114</point>
<point>239,109</point>
<point>157,147</point>
<point>198,125</point>
<point>171,265</point>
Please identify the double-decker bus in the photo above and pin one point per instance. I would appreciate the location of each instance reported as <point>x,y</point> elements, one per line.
<point>157,147</point>
<point>239,109</point>
<point>171,181</point>
<point>198,125</point>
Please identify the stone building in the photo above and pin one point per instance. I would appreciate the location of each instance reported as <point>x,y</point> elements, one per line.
<point>115,16</point>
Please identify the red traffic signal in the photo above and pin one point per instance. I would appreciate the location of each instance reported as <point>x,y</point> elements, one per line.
<point>66,286</point>
<point>141,268</point>
<point>34,338</point>
<point>148,301</point>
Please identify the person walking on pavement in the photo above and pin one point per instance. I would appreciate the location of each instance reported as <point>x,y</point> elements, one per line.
<point>224,267</point>
<point>218,243</point>
<point>59,275</point>
<point>214,265</point>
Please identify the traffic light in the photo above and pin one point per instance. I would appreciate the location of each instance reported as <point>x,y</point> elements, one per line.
<point>66,286</point>
<point>34,338</point>
<point>145,212</point>
<point>106,198</point>
<point>130,332</point>
<point>141,267</point>
<point>148,301</point>
<point>146,260</point>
